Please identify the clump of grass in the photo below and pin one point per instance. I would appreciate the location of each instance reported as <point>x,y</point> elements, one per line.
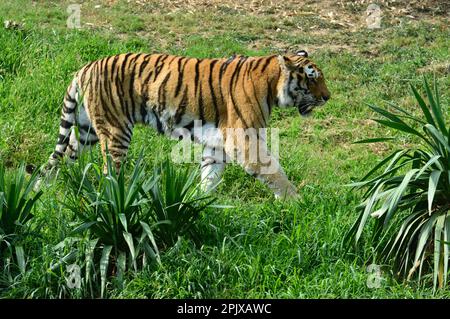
<point>176,202</point>
<point>410,199</point>
<point>17,200</point>
<point>123,221</point>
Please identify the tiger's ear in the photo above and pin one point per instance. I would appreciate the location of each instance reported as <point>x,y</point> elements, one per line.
<point>286,64</point>
<point>302,53</point>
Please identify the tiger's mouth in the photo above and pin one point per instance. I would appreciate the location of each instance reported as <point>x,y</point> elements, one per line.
<point>306,109</point>
<point>304,112</point>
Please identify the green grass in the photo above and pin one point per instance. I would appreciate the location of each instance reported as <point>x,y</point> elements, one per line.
<point>260,247</point>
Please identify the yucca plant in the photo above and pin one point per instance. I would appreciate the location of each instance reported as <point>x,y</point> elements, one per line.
<point>408,192</point>
<point>16,204</point>
<point>177,202</point>
<point>112,210</point>
<point>124,221</point>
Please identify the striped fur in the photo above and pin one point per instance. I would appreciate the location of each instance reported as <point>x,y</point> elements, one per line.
<point>108,97</point>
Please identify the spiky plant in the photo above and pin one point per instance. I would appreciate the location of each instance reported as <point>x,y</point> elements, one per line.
<point>112,210</point>
<point>408,192</point>
<point>177,202</point>
<point>16,203</point>
<point>123,220</point>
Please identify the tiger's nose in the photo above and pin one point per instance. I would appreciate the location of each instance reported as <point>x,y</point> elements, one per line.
<point>325,97</point>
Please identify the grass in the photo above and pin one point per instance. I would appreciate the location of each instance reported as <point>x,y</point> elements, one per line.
<point>260,247</point>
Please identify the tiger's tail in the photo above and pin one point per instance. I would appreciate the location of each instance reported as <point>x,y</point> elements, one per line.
<point>68,120</point>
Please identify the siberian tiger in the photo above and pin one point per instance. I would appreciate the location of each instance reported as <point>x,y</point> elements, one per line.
<point>108,97</point>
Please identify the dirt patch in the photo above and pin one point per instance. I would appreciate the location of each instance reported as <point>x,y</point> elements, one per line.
<point>343,15</point>
<point>436,67</point>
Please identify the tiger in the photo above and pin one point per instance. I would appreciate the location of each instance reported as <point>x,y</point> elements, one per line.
<point>107,98</point>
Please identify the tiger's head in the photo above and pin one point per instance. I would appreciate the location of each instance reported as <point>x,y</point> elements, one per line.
<point>301,84</point>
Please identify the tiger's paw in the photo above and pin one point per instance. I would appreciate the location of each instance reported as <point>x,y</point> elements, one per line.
<point>289,193</point>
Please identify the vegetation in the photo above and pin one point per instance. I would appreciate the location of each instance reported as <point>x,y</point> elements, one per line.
<point>256,247</point>
<point>16,205</point>
<point>410,198</point>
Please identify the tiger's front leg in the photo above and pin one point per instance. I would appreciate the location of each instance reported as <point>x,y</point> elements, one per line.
<point>252,154</point>
<point>274,177</point>
<point>212,166</point>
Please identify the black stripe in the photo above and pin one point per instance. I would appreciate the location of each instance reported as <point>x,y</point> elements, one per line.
<point>127,133</point>
<point>258,62</point>
<point>162,92</point>
<point>189,126</point>
<point>88,142</point>
<point>143,111</point>
<point>224,66</point>
<point>104,131</point>
<point>251,104</point>
<point>116,153</point>
<point>207,163</point>
<point>266,64</point>
<point>97,74</point>
<point>65,124</point>
<point>180,71</point>
<point>130,109</point>
<point>113,67</point>
<point>197,75</point>
<point>87,128</point>
<point>124,64</point>
<point>120,146</point>
<point>62,139</point>
<point>110,116</point>
<point>249,69</point>
<point>213,95</point>
<point>68,110</point>
<point>147,79</point>
<point>120,94</point>
<point>108,90</point>
<point>106,82</point>
<point>200,105</point>
<point>159,126</point>
<point>236,75</point>
<point>57,154</point>
<point>143,65</point>
<point>173,59</point>
<point>71,148</point>
<point>269,97</point>
<point>131,91</point>
<point>122,138</point>
<point>230,59</point>
<point>157,61</point>
<point>198,91</point>
<point>69,99</point>
<point>159,67</point>
<point>257,101</point>
<point>181,109</point>
<point>222,70</point>
<point>85,70</point>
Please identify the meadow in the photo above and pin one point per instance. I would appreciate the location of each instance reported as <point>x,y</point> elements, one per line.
<point>255,247</point>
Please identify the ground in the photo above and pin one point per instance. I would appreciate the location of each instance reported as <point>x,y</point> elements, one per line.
<point>260,247</point>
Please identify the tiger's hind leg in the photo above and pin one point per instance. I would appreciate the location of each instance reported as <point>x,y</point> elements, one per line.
<point>67,121</point>
<point>116,144</point>
<point>80,143</point>
<point>86,137</point>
